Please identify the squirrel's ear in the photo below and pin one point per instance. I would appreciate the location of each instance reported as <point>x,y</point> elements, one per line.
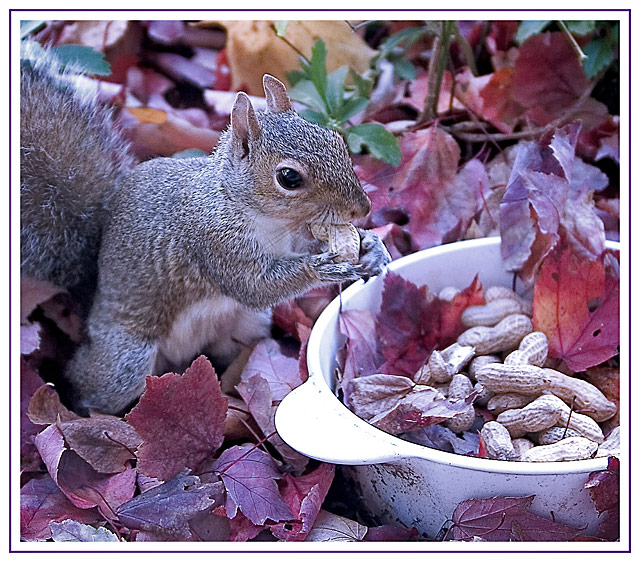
<point>244,125</point>
<point>276,94</point>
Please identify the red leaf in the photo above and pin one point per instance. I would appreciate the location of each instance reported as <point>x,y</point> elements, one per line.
<point>577,307</point>
<point>41,503</point>
<point>387,533</point>
<point>604,488</point>
<point>362,356</point>
<point>290,317</point>
<point>166,509</point>
<point>250,476</point>
<point>426,188</point>
<point>412,322</point>
<point>505,519</point>
<point>180,419</point>
<point>304,496</point>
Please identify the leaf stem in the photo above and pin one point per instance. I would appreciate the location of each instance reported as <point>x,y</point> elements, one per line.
<point>466,49</point>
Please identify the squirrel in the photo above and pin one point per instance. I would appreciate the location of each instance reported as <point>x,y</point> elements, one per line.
<point>177,257</point>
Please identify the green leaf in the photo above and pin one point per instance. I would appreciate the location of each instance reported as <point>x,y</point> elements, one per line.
<point>581,27</point>
<point>599,56</point>
<point>380,142</point>
<point>318,67</point>
<point>410,36</point>
<point>27,27</point>
<point>315,117</point>
<point>190,153</point>
<point>351,107</point>
<point>281,27</point>
<point>335,90</point>
<point>294,76</point>
<point>364,86</point>
<point>614,36</point>
<point>305,92</point>
<point>404,69</point>
<point>86,58</point>
<point>528,28</point>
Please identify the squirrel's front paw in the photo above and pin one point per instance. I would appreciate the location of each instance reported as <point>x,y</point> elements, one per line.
<point>373,253</point>
<point>327,270</point>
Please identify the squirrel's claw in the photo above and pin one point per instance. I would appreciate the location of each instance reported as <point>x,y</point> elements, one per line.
<point>373,254</point>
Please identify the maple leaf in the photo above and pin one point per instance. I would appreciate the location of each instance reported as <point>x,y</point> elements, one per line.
<point>180,419</point>
<point>250,476</point>
<point>577,306</point>
<point>43,503</point>
<point>166,509</point>
<point>362,357</point>
<point>604,489</point>
<point>426,191</point>
<point>396,404</point>
<point>534,201</point>
<point>412,322</point>
<point>504,519</point>
<point>304,496</point>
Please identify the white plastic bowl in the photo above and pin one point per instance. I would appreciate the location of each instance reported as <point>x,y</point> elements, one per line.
<point>401,481</point>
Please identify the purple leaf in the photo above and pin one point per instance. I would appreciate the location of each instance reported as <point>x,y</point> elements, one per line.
<point>250,476</point>
<point>167,509</point>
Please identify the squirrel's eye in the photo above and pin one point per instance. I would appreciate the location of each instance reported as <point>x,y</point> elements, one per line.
<point>289,178</point>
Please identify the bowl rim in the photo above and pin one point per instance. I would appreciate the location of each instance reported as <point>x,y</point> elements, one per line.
<point>407,449</point>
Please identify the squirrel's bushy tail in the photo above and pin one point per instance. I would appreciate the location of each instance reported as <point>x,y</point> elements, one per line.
<point>71,161</point>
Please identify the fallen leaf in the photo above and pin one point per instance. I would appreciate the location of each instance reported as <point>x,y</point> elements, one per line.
<point>577,306</point>
<point>334,528</point>
<point>304,496</point>
<point>253,49</point>
<point>534,201</point>
<point>505,519</point>
<point>396,404</point>
<point>362,356</point>
<point>604,489</point>
<point>43,503</point>
<point>250,477</point>
<point>388,533</point>
<point>74,531</point>
<point>426,193</point>
<point>45,407</point>
<point>30,382</point>
<point>180,419</point>
<point>107,443</point>
<point>412,322</point>
<point>167,508</point>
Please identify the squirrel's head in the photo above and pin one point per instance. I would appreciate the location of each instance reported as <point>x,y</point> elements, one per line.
<point>300,170</point>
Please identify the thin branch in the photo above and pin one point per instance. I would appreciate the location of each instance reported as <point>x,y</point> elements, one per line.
<point>531,133</point>
<point>290,44</point>
<point>574,44</point>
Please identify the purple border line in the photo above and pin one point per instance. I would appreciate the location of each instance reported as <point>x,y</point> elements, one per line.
<point>350,551</point>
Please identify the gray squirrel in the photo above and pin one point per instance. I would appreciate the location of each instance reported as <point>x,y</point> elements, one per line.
<point>177,256</point>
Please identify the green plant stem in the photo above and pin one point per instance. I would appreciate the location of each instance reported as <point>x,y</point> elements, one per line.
<point>289,43</point>
<point>574,45</point>
<point>437,63</point>
<point>466,49</point>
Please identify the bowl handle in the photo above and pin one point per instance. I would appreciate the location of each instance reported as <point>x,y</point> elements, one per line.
<point>312,421</point>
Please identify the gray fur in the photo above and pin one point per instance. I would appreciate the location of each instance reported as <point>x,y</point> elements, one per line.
<point>177,232</point>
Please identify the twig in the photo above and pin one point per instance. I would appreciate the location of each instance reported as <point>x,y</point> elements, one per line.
<point>574,44</point>
<point>289,43</point>
<point>531,133</point>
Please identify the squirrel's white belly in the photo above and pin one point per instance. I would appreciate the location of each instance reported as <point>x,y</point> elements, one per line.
<point>218,326</point>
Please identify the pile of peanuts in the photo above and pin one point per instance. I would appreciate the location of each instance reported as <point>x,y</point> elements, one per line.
<point>541,414</point>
